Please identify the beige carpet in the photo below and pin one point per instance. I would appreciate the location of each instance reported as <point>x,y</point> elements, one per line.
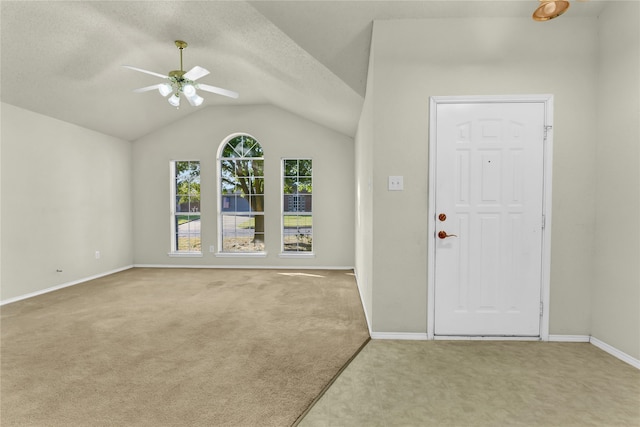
<point>178,347</point>
<point>481,384</point>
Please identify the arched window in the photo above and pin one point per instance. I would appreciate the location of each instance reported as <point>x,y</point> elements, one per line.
<point>241,218</point>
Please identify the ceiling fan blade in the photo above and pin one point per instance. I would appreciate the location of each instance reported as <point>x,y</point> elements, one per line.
<point>148,88</point>
<point>218,90</point>
<point>145,71</point>
<point>195,73</point>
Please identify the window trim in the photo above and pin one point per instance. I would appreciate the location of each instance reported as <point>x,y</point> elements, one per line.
<point>172,212</point>
<point>293,254</point>
<point>220,253</point>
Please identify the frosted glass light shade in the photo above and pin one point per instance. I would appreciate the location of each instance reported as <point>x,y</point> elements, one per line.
<point>164,89</point>
<point>195,100</point>
<point>174,100</point>
<point>189,90</point>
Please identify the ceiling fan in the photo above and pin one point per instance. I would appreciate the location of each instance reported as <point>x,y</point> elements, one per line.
<point>180,82</point>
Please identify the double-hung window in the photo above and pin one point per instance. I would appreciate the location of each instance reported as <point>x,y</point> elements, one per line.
<point>297,206</point>
<point>185,207</point>
<point>241,219</point>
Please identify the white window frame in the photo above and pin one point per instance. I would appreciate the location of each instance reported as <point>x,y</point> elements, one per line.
<point>220,252</point>
<point>293,254</point>
<point>173,251</point>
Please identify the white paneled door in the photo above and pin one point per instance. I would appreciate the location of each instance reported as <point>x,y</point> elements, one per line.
<point>489,218</point>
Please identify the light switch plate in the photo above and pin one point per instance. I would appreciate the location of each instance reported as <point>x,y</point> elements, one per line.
<point>396,183</point>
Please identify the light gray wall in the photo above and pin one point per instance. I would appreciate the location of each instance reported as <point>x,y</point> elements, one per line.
<point>364,201</point>
<point>616,292</point>
<point>415,59</point>
<point>66,193</point>
<point>281,134</point>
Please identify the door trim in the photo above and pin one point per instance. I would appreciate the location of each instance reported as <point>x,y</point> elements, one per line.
<point>547,100</point>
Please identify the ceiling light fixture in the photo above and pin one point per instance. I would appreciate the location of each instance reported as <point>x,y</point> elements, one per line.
<point>165,89</point>
<point>195,100</point>
<point>550,9</point>
<point>174,100</point>
<point>183,82</point>
<point>188,89</point>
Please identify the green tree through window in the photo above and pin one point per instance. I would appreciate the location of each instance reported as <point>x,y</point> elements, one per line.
<point>186,207</point>
<point>297,198</point>
<point>242,195</point>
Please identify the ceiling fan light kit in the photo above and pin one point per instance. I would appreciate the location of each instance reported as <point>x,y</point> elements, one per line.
<point>165,89</point>
<point>183,82</point>
<point>550,9</point>
<point>174,100</point>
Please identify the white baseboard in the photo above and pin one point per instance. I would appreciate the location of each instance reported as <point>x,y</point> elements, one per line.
<point>364,307</point>
<point>63,285</point>
<point>569,338</point>
<point>615,352</point>
<point>257,267</point>
<point>483,338</point>
<point>414,336</point>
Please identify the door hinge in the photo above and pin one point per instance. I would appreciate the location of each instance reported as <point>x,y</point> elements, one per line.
<point>544,221</point>
<point>546,130</point>
<point>541,308</point>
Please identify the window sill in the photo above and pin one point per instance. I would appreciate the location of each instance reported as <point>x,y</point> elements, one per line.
<point>241,254</point>
<point>185,254</point>
<point>296,255</point>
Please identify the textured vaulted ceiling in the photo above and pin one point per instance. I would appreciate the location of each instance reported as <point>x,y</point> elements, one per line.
<point>63,59</point>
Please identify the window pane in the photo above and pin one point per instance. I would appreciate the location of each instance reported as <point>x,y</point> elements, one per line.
<point>257,168</point>
<point>253,149</point>
<point>242,201</point>
<point>304,167</point>
<point>304,185</point>
<point>290,185</point>
<point>297,233</point>
<point>257,203</point>
<point>194,205</point>
<point>185,226</point>
<point>290,168</point>
<point>187,233</point>
<point>242,233</point>
<point>229,149</point>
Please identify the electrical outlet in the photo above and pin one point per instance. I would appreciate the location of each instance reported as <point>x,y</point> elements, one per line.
<point>97,254</point>
<point>212,249</point>
<point>396,183</point>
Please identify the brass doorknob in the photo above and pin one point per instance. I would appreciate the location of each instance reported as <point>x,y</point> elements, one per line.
<point>443,234</point>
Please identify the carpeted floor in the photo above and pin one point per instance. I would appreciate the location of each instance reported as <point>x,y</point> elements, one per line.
<point>178,347</point>
<point>481,384</point>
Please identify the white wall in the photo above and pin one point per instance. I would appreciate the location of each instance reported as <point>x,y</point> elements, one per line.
<point>281,134</point>
<point>415,59</point>
<point>66,193</point>
<point>616,292</point>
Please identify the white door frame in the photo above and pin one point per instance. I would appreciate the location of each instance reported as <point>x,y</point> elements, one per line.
<point>547,100</point>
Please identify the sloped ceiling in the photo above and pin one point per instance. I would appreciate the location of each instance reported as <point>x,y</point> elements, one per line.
<point>63,58</point>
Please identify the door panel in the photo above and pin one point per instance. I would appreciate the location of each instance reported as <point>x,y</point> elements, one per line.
<point>489,184</point>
